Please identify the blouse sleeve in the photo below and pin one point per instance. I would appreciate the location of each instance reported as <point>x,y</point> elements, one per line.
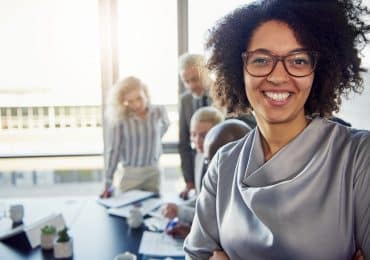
<point>203,238</point>
<point>114,143</point>
<point>362,198</point>
<point>164,120</point>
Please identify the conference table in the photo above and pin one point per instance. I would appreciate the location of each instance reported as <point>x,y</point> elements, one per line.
<point>96,234</point>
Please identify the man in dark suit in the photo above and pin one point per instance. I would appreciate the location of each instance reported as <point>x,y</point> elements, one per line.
<point>195,78</point>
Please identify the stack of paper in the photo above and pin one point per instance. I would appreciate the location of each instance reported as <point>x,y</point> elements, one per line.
<point>125,198</point>
<point>156,224</point>
<point>145,207</point>
<point>160,245</point>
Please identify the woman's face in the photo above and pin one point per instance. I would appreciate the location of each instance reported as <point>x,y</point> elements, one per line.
<point>198,131</point>
<point>277,97</point>
<point>136,101</point>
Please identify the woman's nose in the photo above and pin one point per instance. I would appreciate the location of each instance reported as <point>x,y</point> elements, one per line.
<point>279,74</point>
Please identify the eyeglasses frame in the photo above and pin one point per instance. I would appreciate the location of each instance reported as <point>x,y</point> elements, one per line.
<point>277,58</point>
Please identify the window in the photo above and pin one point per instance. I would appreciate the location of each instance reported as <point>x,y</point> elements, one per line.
<point>203,15</point>
<point>147,40</point>
<point>50,59</point>
<point>49,52</point>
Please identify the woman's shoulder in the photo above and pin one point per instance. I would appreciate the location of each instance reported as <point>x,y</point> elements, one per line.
<point>156,108</point>
<point>355,141</point>
<point>349,134</point>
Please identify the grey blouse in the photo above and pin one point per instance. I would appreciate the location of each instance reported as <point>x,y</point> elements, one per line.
<point>311,200</point>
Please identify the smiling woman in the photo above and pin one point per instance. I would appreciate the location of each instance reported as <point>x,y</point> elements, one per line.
<point>296,172</point>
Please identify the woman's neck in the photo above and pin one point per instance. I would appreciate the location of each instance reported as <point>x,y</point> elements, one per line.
<point>276,136</point>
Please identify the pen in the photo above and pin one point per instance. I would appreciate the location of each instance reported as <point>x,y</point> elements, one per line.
<point>172,223</point>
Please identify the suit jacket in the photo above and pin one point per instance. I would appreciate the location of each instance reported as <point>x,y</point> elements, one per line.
<point>186,110</point>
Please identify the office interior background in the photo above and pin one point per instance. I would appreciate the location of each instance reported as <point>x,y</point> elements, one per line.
<point>59,58</point>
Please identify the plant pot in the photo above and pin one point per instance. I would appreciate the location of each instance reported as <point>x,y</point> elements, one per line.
<point>63,249</point>
<point>47,241</point>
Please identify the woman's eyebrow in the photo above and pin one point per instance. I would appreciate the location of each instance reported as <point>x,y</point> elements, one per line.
<point>269,51</point>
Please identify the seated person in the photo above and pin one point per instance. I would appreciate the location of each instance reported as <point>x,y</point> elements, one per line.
<point>201,122</point>
<point>247,118</point>
<point>221,134</point>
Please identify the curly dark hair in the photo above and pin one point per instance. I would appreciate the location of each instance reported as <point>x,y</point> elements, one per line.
<point>334,28</point>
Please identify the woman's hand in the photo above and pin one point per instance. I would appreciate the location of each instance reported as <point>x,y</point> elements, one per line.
<point>107,193</point>
<point>170,210</point>
<point>358,256</point>
<point>219,255</point>
<point>181,230</point>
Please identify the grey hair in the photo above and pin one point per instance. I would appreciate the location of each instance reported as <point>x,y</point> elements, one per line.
<point>189,60</point>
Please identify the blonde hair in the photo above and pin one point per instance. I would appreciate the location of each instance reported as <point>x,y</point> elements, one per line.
<point>207,115</point>
<point>116,109</point>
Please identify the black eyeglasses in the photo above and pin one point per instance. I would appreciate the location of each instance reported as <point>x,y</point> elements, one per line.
<point>297,64</point>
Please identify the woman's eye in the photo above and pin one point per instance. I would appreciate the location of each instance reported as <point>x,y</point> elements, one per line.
<point>299,61</point>
<point>260,61</point>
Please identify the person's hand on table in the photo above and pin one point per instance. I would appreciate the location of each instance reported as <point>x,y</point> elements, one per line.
<point>185,193</point>
<point>180,230</point>
<point>107,193</point>
<point>219,255</point>
<point>170,210</point>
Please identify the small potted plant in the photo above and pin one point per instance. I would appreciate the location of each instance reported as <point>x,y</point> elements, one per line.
<point>48,234</point>
<point>63,245</point>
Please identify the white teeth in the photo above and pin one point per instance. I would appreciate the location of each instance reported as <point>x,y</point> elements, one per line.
<point>281,96</point>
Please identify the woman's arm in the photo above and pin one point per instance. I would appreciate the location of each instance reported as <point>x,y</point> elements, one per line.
<point>361,188</point>
<point>165,120</point>
<point>203,238</point>
<point>113,144</point>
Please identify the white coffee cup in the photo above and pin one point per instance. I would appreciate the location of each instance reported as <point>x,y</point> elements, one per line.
<point>135,218</point>
<point>126,256</point>
<point>16,213</point>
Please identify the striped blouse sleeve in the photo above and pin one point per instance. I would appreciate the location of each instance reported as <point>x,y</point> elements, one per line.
<point>164,119</point>
<point>114,143</point>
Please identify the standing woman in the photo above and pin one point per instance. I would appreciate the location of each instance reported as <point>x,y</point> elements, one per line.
<point>297,186</point>
<point>135,129</point>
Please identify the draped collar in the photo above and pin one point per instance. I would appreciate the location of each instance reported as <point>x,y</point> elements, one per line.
<point>286,164</point>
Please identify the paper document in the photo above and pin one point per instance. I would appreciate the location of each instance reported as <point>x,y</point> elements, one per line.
<point>145,207</point>
<point>156,224</point>
<point>125,198</point>
<point>160,244</point>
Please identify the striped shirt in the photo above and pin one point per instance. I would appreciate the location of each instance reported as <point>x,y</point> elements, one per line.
<point>136,142</point>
